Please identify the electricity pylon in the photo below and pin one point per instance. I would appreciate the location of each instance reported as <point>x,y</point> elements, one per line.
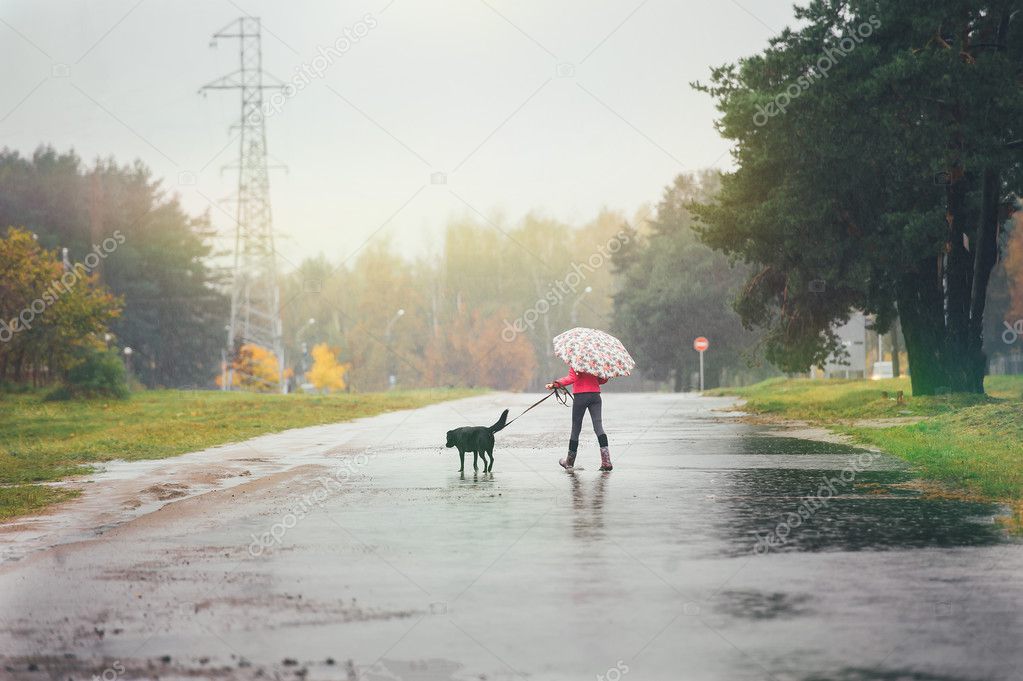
<point>255,296</point>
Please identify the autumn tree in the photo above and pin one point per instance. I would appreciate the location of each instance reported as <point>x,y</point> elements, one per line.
<point>254,368</point>
<point>49,314</point>
<point>327,374</point>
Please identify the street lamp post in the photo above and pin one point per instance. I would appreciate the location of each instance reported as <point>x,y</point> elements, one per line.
<point>392,380</point>
<point>575,305</point>
<point>305,346</point>
<point>227,362</point>
<point>127,359</point>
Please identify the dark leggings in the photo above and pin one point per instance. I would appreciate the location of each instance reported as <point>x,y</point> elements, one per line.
<point>582,403</point>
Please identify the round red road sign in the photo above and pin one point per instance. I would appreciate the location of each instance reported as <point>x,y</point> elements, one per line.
<point>701,344</point>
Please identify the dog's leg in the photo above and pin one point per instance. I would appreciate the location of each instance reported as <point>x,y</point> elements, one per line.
<point>461,457</point>
<point>491,462</point>
<point>474,457</point>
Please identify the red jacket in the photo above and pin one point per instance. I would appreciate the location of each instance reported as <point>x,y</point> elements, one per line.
<point>584,383</point>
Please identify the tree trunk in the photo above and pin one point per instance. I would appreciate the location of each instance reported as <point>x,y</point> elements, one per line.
<point>968,262</point>
<point>937,362</point>
<point>920,304</point>
<point>985,256</point>
<point>19,363</point>
<point>896,362</point>
<point>958,353</point>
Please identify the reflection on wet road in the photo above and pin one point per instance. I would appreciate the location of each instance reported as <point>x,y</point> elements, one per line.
<point>712,551</point>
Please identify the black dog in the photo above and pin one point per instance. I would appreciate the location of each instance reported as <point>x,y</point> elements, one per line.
<point>476,439</point>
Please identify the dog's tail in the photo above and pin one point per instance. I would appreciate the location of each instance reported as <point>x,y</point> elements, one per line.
<point>501,422</point>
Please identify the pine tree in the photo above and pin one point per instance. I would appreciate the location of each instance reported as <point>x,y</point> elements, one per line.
<point>877,151</point>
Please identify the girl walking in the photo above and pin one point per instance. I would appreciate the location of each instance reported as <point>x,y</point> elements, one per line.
<point>593,357</point>
<point>586,397</point>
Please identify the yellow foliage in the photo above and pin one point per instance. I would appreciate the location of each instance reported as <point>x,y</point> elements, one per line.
<point>255,368</point>
<point>46,313</point>
<point>327,374</point>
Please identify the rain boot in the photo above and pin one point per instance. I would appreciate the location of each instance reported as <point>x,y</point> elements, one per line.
<point>605,453</point>
<point>569,461</point>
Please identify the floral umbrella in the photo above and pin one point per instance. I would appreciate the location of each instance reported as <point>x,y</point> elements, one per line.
<point>593,352</point>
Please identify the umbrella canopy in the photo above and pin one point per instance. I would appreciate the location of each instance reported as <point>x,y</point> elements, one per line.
<point>593,352</point>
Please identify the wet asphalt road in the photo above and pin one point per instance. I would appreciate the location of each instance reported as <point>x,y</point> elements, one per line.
<point>699,557</point>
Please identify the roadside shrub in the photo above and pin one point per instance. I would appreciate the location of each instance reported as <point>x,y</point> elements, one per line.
<point>98,374</point>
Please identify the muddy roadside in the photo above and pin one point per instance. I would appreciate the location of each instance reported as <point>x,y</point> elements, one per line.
<point>119,492</point>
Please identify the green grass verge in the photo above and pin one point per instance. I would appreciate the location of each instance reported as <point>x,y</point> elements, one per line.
<point>45,441</point>
<point>22,499</point>
<point>972,443</point>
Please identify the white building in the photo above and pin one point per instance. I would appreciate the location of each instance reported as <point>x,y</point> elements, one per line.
<point>854,338</point>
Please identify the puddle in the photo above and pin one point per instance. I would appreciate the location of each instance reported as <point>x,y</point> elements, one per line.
<point>761,605</point>
<point>805,510</point>
<point>857,674</point>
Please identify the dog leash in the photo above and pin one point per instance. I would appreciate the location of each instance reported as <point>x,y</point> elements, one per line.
<point>563,397</point>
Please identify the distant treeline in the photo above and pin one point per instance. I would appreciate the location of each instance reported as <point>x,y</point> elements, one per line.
<point>480,312</point>
<point>148,252</point>
<point>484,309</point>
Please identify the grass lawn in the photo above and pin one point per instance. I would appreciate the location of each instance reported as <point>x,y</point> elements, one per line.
<point>972,443</point>
<point>45,441</point>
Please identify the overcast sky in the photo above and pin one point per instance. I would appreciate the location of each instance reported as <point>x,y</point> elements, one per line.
<point>559,108</point>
